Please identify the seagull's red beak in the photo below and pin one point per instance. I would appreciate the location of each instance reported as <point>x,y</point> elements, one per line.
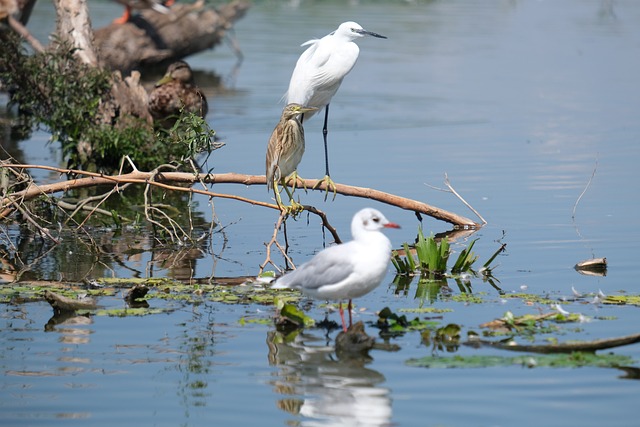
<point>391,225</point>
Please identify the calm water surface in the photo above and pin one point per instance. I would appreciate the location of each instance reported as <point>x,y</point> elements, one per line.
<point>517,101</point>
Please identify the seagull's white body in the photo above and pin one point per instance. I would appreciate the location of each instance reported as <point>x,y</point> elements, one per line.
<point>349,270</point>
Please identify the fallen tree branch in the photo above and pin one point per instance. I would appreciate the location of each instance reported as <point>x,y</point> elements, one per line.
<point>568,347</point>
<point>160,179</point>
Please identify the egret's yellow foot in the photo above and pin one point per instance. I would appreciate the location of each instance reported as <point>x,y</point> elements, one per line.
<point>294,177</point>
<point>331,186</point>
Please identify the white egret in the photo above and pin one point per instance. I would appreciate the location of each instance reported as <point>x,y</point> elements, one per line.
<point>320,70</point>
<point>349,270</point>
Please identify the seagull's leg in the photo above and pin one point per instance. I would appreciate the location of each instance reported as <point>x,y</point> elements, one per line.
<point>344,327</point>
<point>327,179</point>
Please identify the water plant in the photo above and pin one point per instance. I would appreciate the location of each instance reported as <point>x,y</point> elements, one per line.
<point>432,259</point>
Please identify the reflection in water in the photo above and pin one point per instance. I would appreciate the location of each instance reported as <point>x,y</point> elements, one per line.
<point>324,388</point>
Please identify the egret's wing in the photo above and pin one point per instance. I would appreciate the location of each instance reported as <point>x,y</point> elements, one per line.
<point>299,84</point>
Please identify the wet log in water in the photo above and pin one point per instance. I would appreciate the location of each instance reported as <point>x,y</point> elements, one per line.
<point>152,38</point>
<point>61,303</point>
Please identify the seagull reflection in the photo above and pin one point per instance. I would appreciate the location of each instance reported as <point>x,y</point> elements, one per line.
<point>325,389</point>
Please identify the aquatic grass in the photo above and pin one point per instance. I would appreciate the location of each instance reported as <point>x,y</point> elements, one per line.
<point>432,258</point>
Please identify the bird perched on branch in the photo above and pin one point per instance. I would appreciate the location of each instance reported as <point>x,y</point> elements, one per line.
<point>349,270</point>
<point>129,5</point>
<point>285,149</point>
<point>320,71</point>
<point>176,93</point>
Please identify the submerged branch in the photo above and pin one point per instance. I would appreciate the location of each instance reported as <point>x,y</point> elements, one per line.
<point>568,347</point>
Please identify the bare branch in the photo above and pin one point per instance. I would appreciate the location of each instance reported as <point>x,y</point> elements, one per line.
<point>160,179</point>
<point>450,187</point>
<point>22,30</point>
<point>575,206</point>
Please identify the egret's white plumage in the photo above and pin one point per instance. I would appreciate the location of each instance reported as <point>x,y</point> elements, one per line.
<point>322,67</point>
<point>349,270</point>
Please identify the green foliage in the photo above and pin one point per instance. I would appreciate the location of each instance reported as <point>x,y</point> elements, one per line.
<point>55,90</point>
<point>433,256</point>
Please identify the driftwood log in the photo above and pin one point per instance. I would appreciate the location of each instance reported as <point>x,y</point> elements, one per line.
<point>152,38</point>
<point>60,303</point>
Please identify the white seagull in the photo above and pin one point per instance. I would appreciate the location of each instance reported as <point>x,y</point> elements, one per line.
<point>349,270</point>
<point>321,68</point>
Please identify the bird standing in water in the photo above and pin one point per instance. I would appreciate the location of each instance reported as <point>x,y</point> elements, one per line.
<point>285,149</point>
<point>176,93</point>
<point>349,270</point>
<point>320,71</point>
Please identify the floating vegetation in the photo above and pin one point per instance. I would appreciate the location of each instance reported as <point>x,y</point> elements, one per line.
<point>291,317</point>
<point>393,323</point>
<point>128,312</point>
<point>573,360</point>
<point>530,324</point>
<point>531,299</point>
<point>446,338</point>
<point>622,300</point>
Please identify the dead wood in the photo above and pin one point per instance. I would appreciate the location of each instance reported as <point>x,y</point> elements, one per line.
<point>61,303</point>
<point>152,38</point>
<point>569,347</point>
<point>162,179</point>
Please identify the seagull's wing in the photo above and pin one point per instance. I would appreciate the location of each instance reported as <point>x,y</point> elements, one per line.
<point>328,267</point>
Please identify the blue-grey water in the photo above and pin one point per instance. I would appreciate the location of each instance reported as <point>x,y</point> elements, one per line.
<point>518,102</point>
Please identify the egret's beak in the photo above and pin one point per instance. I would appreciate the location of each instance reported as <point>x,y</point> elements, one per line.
<point>368,33</point>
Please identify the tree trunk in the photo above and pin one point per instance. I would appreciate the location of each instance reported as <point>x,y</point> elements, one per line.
<point>74,26</point>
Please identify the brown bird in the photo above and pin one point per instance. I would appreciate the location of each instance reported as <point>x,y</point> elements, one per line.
<point>285,149</point>
<point>175,93</point>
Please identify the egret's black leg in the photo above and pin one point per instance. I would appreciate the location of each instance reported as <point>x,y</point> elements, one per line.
<point>324,135</point>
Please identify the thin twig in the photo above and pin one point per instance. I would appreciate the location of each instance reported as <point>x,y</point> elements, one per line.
<point>24,32</point>
<point>29,219</point>
<point>448,184</point>
<point>274,241</point>
<point>575,206</point>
